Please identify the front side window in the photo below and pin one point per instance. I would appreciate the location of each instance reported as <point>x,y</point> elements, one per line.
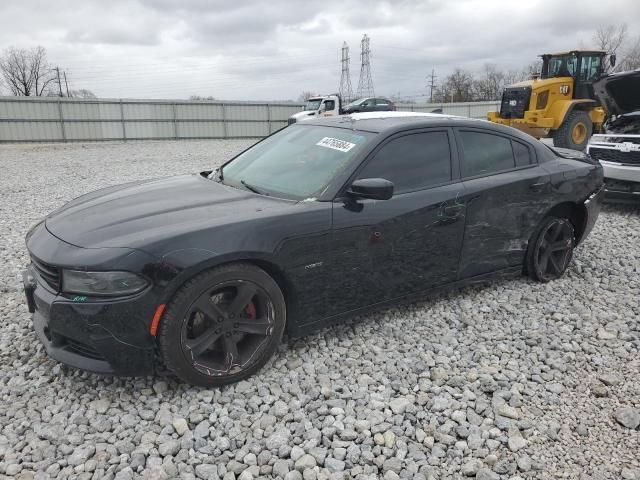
<point>590,68</point>
<point>485,153</point>
<point>298,162</point>
<point>412,162</point>
<point>329,105</point>
<point>562,66</point>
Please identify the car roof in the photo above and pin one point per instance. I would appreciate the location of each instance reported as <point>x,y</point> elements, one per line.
<point>379,122</point>
<point>388,123</point>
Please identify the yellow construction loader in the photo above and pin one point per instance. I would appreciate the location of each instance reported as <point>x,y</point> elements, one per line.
<point>560,103</point>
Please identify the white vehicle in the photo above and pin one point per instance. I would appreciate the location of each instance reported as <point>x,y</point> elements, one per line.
<point>322,105</point>
<point>618,150</point>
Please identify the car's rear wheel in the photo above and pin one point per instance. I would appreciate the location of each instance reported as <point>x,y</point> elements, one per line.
<point>550,249</point>
<point>222,325</point>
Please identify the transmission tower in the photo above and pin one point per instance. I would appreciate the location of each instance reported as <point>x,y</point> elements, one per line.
<point>365,83</point>
<point>346,90</point>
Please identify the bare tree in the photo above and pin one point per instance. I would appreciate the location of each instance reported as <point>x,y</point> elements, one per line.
<point>304,96</point>
<point>631,57</point>
<point>26,72</point>
<point>610,38</point>
<point>458,87</point>
<point>82,93</point>
<point>200,97</point>
<point>490,85</point>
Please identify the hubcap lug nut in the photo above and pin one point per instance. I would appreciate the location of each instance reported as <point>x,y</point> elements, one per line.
<point>228,334</point>
<point>220,319</point>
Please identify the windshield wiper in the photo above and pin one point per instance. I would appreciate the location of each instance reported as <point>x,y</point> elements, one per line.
<point>248,186</point>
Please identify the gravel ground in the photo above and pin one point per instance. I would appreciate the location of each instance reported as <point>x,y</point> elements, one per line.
<point>515,380</point>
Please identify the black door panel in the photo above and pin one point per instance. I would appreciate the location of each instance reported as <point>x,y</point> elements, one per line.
<point>387,249</point>
<point>502,211</point>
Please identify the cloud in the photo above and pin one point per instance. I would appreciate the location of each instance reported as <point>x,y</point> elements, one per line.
<point>256,49</point>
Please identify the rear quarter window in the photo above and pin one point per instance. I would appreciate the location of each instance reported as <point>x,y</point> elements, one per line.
<point>485,153</point>
<point>522,154</point>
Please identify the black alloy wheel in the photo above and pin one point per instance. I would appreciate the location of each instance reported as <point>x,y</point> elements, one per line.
<point>552,249</point>
<point>223,325</point>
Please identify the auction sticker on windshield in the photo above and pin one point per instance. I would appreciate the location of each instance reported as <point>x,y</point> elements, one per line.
<point>336,144</point>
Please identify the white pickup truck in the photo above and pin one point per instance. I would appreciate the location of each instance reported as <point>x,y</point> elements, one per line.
<point>321,105</point>
<point>618,150</point>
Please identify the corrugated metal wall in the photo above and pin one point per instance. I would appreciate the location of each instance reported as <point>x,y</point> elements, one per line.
<point>50,119</point>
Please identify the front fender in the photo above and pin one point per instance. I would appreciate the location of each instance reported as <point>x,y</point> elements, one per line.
<point>178,266</point>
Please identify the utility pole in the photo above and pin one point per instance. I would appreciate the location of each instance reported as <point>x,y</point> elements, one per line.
<point>346,91</point>
<point>432,84</point>
<point>59,83</point>
<point>65,83</point>
<point>365,83</point>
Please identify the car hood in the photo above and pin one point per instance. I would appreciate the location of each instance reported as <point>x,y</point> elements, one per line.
<point>304,114</point>
<point>619,93</point>
<point>139,213</point>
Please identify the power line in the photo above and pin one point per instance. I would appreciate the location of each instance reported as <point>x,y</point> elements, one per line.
<point>346,91</point>
<point>365,83</point>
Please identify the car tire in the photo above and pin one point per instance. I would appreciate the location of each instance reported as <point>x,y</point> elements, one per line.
<point>215,331</point>
<point>575,131</point>
<point>550,249</point>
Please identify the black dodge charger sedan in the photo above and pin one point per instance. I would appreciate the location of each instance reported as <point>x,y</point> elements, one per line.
<point>202,274</point>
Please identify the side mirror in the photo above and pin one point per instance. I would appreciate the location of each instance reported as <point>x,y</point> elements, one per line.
<point>612,60</point>
<point>373,188</point>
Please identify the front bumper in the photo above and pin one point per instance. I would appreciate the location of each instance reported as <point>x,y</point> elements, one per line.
<point>105,335</point>
<point>618,155</point>
<point>89,335</point>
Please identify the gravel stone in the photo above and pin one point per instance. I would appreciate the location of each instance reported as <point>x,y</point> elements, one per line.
<point>530,379</point>
<point>628,417</point>
<point>181,426</point>
<point>486,474</point>
<point>305,462</point>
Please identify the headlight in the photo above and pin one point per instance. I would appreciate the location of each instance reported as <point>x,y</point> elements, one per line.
<point>102,283</point>
<point>543,98</point>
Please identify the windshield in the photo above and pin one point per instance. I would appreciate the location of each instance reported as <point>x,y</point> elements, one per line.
<point>298,162</point>
<point>561,66</point>
<point>313,104</point>
<point>356,102</point>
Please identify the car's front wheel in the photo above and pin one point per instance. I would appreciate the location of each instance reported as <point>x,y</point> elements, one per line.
<point>550,249</point>
<point>222,325</point>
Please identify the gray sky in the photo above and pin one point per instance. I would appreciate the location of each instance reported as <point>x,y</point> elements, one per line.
<point>275,49</point>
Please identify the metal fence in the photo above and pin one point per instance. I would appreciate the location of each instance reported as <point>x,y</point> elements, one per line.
<point>52,119</point>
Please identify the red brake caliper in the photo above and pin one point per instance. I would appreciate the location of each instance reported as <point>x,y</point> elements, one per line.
<point>251,310</point>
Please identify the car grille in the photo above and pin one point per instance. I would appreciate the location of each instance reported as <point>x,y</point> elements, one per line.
<point>291,121</point>
<point>515,101</point>
<point>82,349</point>
<point>610,155</point>
<point>49,274</point>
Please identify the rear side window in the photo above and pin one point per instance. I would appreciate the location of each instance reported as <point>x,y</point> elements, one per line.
<point>521,153</point>
<point>485,153</point>
<point>412,162</point>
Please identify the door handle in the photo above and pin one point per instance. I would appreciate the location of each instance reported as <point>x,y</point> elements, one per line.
<point>537,187</point>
